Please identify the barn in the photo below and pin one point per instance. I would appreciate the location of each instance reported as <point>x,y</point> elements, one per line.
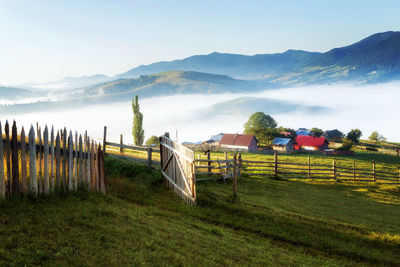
<point>311,143</point>
<point>333,135</point>
<point>242,142</point>
<point>282,144</point>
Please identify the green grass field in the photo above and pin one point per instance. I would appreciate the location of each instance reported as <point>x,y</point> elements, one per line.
<point>142,222</point>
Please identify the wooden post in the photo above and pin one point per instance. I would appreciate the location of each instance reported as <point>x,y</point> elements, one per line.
<point>46,160</point>
<point>70,162</point>
<point>76,162</point>
<point>240,165</point>
<point>15,162</point>
<point>102,173</point>
<point>334,169</point>
<point>354,170</point>
<point>52,160</point>
<point>92,171</point>
<point>121,141</point>
<point>309,167</point>
<point>64,161</point>
<point>149,155</point>
<point>105,139</point>
<point>96,167</point>
<point>40,159</point>
<point>161,153</point>
<point>88,171</point>
<point>373,170</point>
<point>234,176</point>
<point>2,178</point>
<point>193,170</point>
<point>275,164</point>
<point>209,163</point>
<point>32,163</point>
<point>8,160</point>
<point>80,162</point>
<point>24,179</point>
<point>57,183</point>
<point>226,156</point>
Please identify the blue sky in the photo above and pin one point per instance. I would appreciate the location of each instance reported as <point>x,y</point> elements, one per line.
<point>48,40</point>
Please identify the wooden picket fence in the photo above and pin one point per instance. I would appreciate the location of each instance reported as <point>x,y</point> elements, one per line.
<point>46,163</point>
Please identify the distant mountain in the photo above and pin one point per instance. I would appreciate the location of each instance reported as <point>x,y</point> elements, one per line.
<point>173,82</point>
<point>373,59</point>
<point>72,82</point>
<point>246,106</point>
<point>235,65</point>
<point>14,93</point>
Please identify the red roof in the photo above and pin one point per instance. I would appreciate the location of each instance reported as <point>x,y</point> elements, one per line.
<point>237,139</point>
<point>304,140</point>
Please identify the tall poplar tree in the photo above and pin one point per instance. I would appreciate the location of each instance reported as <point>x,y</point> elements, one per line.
<point>137,132</point>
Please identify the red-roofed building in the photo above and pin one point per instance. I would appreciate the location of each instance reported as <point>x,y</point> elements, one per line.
<point>242,142</point>
<point>311,143</point>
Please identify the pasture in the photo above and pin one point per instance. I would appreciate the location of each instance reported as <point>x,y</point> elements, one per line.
<point>142,222</point>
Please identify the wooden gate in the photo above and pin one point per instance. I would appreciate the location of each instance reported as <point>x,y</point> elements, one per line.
<point>177,166</point>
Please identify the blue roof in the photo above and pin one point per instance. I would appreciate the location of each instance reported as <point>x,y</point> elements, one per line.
<point>281,141</point>
<point>303,132</point>
<point>217,137</point>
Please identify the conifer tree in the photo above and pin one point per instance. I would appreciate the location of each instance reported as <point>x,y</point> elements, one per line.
<point>137,132</point>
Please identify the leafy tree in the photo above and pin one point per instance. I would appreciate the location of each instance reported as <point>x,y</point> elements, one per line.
<point>137,132</point>
<point>316,132</point>
<point>153,140</point>
<point>262,126</point>
<point>375,136</point>
<point>347,144</point>
<point>354,135</point>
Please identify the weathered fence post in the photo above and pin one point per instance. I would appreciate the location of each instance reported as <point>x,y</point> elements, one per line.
<point>88,170</point>
<point>76,162</point>
<point>373,170</point>
<point>275,164</point>
<point>234,176</point>
<point>149,155</point>
<point>70,162</point>
<point>309,167</point>
<point>209,163</point>
<point>57,183</point>
<point>193,170</point>
<point>46,160</point>
<point>354,170</point>
<point>161,153</point>
<point>52,159</point>
<point>32,163</point>
<point>15,162</point>
<point>80,159</point>
<point>102,174</point>
<point>334,169</point>
<point>240,164</point>
<point>40,160</point>
<point>24,178</point>
<point>121,141</point>
<point>2,178</point>
<point>64,161</point>
<point>8,160</point>
<point>105,139</point>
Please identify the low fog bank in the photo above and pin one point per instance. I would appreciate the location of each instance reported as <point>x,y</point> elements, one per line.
<point>368,108</point>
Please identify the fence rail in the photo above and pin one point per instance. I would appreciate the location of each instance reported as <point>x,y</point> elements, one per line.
<point>45,163</point>
<point>151,155</point>
<point>207,170</point>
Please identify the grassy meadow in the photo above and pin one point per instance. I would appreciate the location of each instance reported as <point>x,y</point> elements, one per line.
<point>140,221</point>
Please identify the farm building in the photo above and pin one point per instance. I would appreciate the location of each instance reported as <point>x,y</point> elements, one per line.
<point>244,142</point>
<point>303,131</point>
<point>333,135</point>
<point>311,143</point>
<point>282,144</point>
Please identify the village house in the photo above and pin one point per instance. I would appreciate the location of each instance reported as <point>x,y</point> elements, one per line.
<point>333,135</point>
<point>282,144</point>
<point>242,142</point>
<point>311,143</point>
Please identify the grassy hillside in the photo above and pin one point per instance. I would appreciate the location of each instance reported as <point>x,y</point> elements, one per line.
<point>141,221</point>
